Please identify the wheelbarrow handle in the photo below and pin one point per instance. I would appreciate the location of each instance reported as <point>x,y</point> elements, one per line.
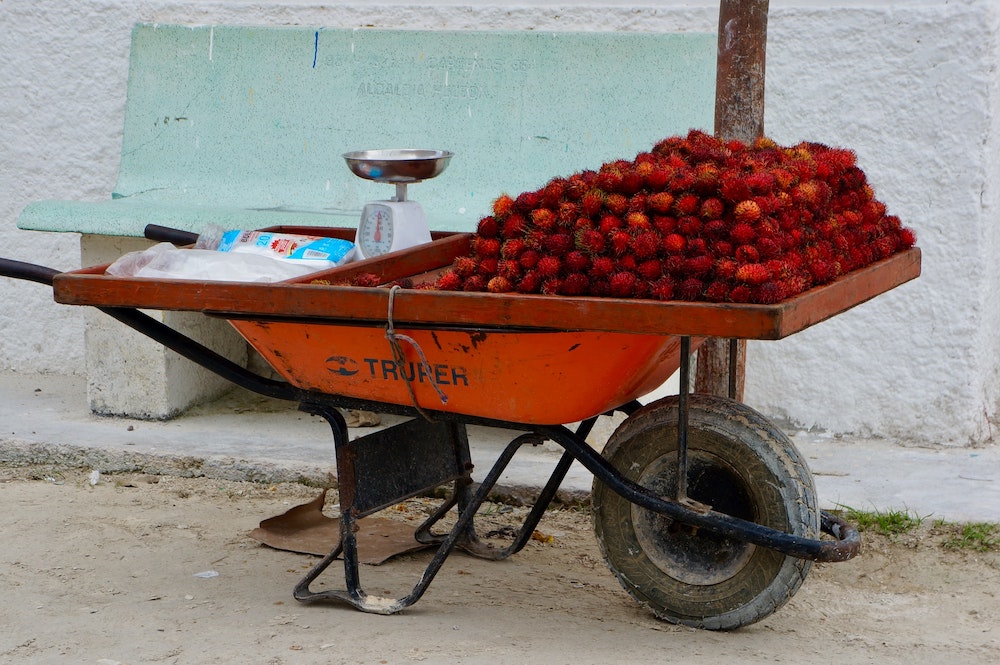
<point>167,234</point>
<point>28,271</point>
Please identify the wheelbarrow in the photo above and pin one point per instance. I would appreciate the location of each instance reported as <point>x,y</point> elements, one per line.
<point>703,509</point>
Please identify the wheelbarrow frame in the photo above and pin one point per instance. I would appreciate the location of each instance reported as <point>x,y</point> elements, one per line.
<point>365,488</point>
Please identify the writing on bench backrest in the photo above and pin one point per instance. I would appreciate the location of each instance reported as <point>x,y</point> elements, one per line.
<point>259,117</point>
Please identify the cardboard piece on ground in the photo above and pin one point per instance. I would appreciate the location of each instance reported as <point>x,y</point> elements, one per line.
<point>306,530</point>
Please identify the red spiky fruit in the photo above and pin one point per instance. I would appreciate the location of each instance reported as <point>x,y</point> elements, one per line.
<point>575,284</point>
<point>549,266</point>
<point>503,206</point>
<point>674,243</point>
<point>747,211</point>
<point>558,244</point>
<point>620,241</point>
<point>690,289</point>
<point>650,269</point>
<point>529,258</point>
<point>448,281</point>
<point>485,247</point>
<point>499,285</point>
<point>514,226</point>
<point>687,204</point>
<point>616,203</point>
<point>753,273</point>
<point>646,244</point>
<point>591,241</point>
<point>637,221</point>
<point>530,282</point>
<point>660,202</point>
<point>544,219</point>
<point>488,227</point>
<point>602,267</point>
<point>591,203</point>
<point>663,289</point>
<point>465,266</point>
<point>474,283</point>
<point>623,284</point>
<point>577,261</point>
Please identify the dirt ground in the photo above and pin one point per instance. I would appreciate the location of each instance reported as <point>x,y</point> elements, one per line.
<point>109,573</point>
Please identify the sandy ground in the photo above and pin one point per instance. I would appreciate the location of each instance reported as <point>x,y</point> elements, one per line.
<point>108,573</point>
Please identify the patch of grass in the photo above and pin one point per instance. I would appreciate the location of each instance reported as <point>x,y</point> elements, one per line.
<point>975,536</point>
<point>887,523</point>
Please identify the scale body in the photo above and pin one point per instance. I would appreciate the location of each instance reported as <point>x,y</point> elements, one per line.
<point>395,224</point>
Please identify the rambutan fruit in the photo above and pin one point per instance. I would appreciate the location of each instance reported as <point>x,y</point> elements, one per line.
<point>747,211</point>
<point>711,208</point>
<point>488,266</point>
<point>662,289</point>
<point>768,248</point>
<point>687,204</point>
<point>552,193</point>
<point>609,178</point>
<point>503,205</point>
<point>690,289</point>
<point>623,284</point>
<point>544,219</point>
<point>549,266</point>
<point>698,266</point>
<point>448,281</point>
<point>743,233</point>
<point>660,202</point>
<point>529,258</point>
<point>822,270</point>
<point>601,267</point>
<point>723,248</point>
<point>530,282</point>
<point>650,269</point>
<point>609,223</point>
<point>567,213</point>
<point>591,241</point>
<point>619,241</point>
<point>697,246</point>
<point>485,247</point>
<point>760,182</point>
<point>658,177</point>
<point>725,268</point>
<point>733,188</point>
<point>575,284</point>
<point>628,262</point>
<point>592,203</point>
<point>717,291</point>
<point>706,177</point>
<point>551,286</point>
<point>741,293</point>
<point>474,283</point>
<point>646,244</point>
<point>769,293</point>
<point>753,274</point>
<point>674,243</point>
<point>558,244</point>
<point>637,221</point>
<point>515,226</point>
<point>576,261</point>
<point>600,287</point>
<point>510,269</point>
<point>526,201</point>
<point>488,227</point>
<point>715,229</point>
<point>631,182</point>
<point>617,204</point>
<point>675,264</point>
<point>499,285</point>
<point>465,266</point>
<point>907,238</point>
<point>689,226</point>
<point>512,249</point>
<point>747,254</point>
<point>664,224</point>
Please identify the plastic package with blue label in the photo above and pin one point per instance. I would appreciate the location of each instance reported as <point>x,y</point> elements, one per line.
<point>237,256</point>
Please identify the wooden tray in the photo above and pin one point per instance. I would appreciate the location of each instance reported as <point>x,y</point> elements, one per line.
<point>332,303</point>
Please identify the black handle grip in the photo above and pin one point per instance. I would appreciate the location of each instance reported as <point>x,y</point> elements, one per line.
<point>28,271</point>
<point>167,234</point>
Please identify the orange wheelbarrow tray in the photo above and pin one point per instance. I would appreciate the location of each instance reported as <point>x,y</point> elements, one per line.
<point>703,509</point>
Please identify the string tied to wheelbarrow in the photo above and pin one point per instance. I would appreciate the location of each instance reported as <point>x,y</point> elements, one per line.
<point>397,354</point>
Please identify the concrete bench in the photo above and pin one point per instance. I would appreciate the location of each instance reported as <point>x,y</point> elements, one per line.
<point>244,127</point>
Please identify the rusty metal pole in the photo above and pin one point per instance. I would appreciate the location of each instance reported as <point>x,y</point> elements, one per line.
<point>739,114</point>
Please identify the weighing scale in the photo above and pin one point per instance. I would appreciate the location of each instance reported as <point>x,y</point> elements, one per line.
<point>387,226</point>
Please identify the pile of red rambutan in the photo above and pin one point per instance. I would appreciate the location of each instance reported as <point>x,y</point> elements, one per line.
<point>696,218</point>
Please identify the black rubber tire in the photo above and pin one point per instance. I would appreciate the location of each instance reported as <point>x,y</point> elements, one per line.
<point>739,464</point>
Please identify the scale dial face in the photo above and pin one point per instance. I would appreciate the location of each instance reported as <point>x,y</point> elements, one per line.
<point>376,231</point>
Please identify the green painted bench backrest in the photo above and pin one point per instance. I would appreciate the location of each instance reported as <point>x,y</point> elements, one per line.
<point>245,126</point>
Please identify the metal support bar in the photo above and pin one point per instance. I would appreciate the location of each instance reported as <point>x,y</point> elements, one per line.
<point>682,421</point>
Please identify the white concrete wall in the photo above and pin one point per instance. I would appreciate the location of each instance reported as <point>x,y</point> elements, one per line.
<point>909,85</point>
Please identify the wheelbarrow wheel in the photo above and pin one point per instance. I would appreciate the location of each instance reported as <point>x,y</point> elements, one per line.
<point>740,464</point>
